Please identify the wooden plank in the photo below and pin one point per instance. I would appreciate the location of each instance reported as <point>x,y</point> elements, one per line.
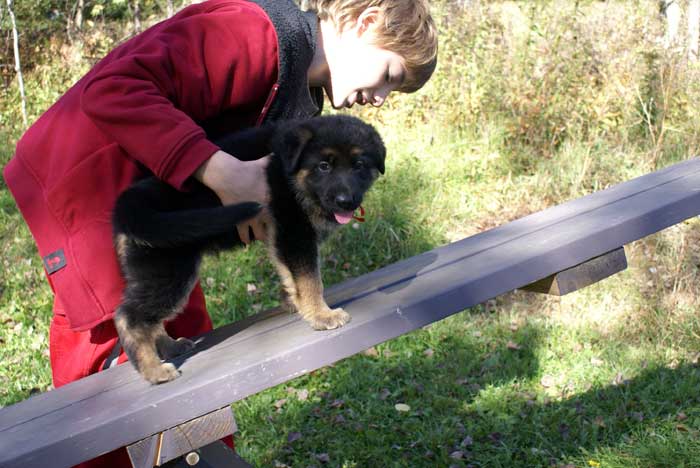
<point>144,453</point>
<point>581,275</point>
<point>116,408</point>
<point>182,439</point>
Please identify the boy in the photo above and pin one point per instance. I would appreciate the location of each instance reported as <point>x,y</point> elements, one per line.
<point>153,104</point>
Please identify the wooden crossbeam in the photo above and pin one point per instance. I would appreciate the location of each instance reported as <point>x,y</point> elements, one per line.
<point>180,440</point>
<point>582,275</point>
<point>117,407</point>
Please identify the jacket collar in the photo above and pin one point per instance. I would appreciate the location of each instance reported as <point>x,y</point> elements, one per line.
<point>296,37</point>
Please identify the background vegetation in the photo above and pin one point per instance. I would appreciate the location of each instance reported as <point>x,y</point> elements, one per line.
<point>533,103</point>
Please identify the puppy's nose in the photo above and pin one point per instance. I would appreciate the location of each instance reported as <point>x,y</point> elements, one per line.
<point>344,201</point>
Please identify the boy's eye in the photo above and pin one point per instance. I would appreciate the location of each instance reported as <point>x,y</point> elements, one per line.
<point>387,76</point>
<point>324,166</point>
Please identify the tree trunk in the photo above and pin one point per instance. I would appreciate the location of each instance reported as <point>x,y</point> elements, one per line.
<point>80,6</point>
<point>672,11</point>
<point>136,10</point>
<point>693,29</point>
<point>18,67</point>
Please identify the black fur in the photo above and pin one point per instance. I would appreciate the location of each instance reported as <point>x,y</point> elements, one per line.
<point>318,167</point>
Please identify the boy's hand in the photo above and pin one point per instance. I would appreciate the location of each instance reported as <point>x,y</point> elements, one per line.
<point>257,227</point>
<point>236,181</point>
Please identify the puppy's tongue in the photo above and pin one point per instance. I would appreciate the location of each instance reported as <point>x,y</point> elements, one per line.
<point>343,217</point>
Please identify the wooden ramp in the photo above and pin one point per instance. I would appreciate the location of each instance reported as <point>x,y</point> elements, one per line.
<point>117,408</point>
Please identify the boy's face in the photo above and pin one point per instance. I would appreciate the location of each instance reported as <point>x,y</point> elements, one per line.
<point>360,72</point>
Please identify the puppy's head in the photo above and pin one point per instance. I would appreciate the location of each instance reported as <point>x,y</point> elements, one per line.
<point>333,161</point>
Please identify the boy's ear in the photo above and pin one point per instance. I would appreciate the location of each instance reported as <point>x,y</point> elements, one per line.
<point>367,20</point>
<point>290,146</point>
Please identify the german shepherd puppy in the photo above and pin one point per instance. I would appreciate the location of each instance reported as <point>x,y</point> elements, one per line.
<point>318,174</point>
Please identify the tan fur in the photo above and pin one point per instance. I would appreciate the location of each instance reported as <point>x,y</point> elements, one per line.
<point>312,210</point>
<point>146,344</point>
<point>355,151</point>
<point>303,293</point>
<point>120,243</point>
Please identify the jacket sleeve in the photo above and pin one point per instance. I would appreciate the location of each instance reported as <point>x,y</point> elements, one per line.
<point>149,94</point>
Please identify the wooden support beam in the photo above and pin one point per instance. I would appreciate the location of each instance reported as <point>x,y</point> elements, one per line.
<point>582,275</point>
<point>214,455</point>
<point>182,439</point>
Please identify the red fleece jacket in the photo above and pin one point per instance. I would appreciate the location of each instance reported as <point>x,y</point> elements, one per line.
<point>138,109</point>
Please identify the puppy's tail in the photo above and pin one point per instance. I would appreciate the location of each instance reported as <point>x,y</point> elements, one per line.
<point>167,229</point>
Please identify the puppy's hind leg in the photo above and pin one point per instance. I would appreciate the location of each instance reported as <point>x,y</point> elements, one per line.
<point>168,347</point>
<point>139,343</point>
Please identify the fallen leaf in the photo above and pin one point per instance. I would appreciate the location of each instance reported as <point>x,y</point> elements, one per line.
<point>513,345</point>
<point>467,442</point>
<point>457,455</point>
<point>429,352</point>
<point>402,407</point>
<point>599,421</point>
<point>681,416</point>
<point>303,394</point>
<point>337,403</point>
<point>597,362</point>
<point>371,352</point>
<point>280,403</point>
<point>547,381</point>
<point>495,436</point>
<point>323,457</point>
<point>564,430</point>
<point>384,394</point>
<point>619,379</point>
<point>293,436</point>
<point>251,288</point>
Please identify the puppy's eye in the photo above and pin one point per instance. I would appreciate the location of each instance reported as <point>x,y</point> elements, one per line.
<point>324,166</point>
<point>359,164</point>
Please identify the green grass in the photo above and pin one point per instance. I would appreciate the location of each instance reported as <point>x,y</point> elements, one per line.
<point>521,115</point>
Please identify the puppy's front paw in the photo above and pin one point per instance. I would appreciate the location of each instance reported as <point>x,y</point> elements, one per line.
<point>329,319</point>
<point>161,373</point>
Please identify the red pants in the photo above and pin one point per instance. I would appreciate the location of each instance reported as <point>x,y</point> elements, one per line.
<point>75,355</point>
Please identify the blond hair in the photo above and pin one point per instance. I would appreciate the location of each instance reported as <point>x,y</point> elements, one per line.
<point>405,28</point>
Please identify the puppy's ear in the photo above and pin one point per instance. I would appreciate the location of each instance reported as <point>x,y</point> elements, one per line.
<point>291,144</point>
<point>379,151</point>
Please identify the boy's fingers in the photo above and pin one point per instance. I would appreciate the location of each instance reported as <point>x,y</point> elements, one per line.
<point>242,229</point>
<point>259,230</point>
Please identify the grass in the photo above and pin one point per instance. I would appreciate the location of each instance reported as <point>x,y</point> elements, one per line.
<point>525,116</point>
